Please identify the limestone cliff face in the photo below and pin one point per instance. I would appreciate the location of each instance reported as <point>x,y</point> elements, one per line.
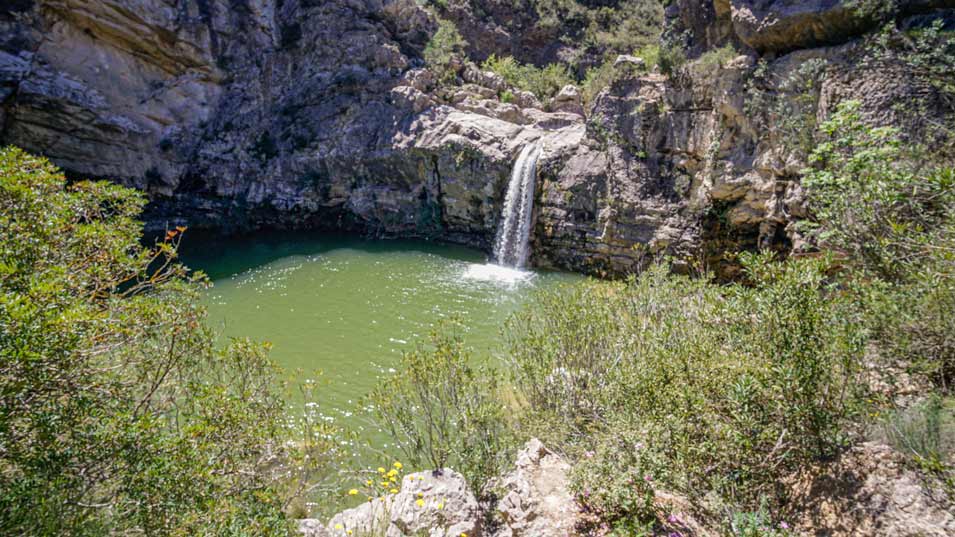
<point>311,114</point>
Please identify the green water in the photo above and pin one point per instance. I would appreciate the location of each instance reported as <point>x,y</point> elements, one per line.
<point>349,307</point>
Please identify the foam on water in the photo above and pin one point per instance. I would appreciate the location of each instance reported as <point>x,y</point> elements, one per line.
<point>489,272</point>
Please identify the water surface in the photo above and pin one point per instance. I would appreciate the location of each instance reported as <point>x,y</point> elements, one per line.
<point>349,307</point>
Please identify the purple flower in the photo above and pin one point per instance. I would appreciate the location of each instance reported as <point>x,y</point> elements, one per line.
<point>783,525</point>
<point>648,478</point>
<point>673,519</point>
<point>589,454</point>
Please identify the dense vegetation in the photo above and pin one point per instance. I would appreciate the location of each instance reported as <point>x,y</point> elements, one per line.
<point>719,392</point>
<point>596,33</point>
<point>118,413</point>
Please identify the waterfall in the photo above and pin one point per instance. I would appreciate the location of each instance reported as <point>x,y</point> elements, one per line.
<point>514,230</point>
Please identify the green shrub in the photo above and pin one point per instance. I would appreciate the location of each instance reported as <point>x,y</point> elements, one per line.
<point>672,58</point>
<point>707,66</point>
<point>893,222</point>
<point>874,203</point>
<point>606,30</point>
<point>445,52</point>
<point>724,389</point>
<point>758,524</point>
<point>543,82</point>
<point>440,410</point>
<point>598,78</point>
<point>118,415</point>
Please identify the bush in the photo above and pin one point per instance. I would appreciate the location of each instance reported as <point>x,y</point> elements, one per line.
<point>892,222</point>
<point>597,79</point>
<point>698,387</point>
<point>444,52</point>
<point>875,205</point>
<point>117,413</point>
<point>543,82</point>
<point>441,411</point>
<point>707,66</point>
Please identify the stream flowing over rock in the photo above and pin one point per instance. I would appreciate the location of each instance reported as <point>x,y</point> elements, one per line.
<point>304,114</point>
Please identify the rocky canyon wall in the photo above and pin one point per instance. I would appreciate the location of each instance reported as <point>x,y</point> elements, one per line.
<point>321,114</point>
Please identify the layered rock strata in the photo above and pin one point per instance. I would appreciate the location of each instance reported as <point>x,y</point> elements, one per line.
<point>247,114</point>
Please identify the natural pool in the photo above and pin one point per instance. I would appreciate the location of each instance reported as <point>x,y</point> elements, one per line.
<point>349,307</point>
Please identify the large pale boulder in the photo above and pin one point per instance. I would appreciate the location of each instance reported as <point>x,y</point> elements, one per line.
<point>436,504</point>
<point>568,100</point>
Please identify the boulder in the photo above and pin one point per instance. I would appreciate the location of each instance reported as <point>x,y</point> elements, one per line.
<point>436,504</point>
<point>628,61</point>
<point>568,100</point>
<point>537,501</point>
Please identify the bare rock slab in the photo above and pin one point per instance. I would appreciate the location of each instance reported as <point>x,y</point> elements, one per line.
<point>537,501</point>
<point>436,504</point>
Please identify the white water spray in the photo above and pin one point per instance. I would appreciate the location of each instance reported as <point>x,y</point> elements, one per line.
<point>513,233</point>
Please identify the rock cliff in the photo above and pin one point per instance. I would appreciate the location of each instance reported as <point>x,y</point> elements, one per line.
<point>242,114</point>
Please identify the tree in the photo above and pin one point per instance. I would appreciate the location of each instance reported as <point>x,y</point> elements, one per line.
<point>117,412</point>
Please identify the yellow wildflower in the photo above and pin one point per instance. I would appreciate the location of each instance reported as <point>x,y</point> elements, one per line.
<point>398,465</point>
<point>393,479</point>
<point>348,532</point>
<point>338,526</point>
<point>393,491</point>
<point>420,502</point>
<point>440,506</point>
<point>369,482</point>
<point>381,470</point>
<point>353,492</point>
<point>392,473</point>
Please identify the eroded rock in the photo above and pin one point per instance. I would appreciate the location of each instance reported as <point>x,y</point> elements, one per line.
<point>536,499</point>
<point>436,504</point>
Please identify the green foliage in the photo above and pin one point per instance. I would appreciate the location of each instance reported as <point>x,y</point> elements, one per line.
<point>888,217</point>
<point>444,52</point>
<point>671,59</point>
<point>916,431</point>
<point>709,64</point>
<point>598,78</point>
<point>708,388</point>
<point>927,54</point>
<point>604,30</point>
<point>117,413</point>
<point>544,82</point>
<point>758,524</point>
<point>787,108</point>
<point>441,410</point>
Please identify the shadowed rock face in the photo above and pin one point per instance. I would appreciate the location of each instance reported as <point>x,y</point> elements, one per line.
<point>782,25</point>
<point>244,114</point>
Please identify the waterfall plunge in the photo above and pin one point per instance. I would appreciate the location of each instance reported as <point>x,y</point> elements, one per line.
<point>513,233</point>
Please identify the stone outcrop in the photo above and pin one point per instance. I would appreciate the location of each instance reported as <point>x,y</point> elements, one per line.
<point>322,115</point>
<point>437,504</point>
<point>870,491</point>
<point>535,497</point>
